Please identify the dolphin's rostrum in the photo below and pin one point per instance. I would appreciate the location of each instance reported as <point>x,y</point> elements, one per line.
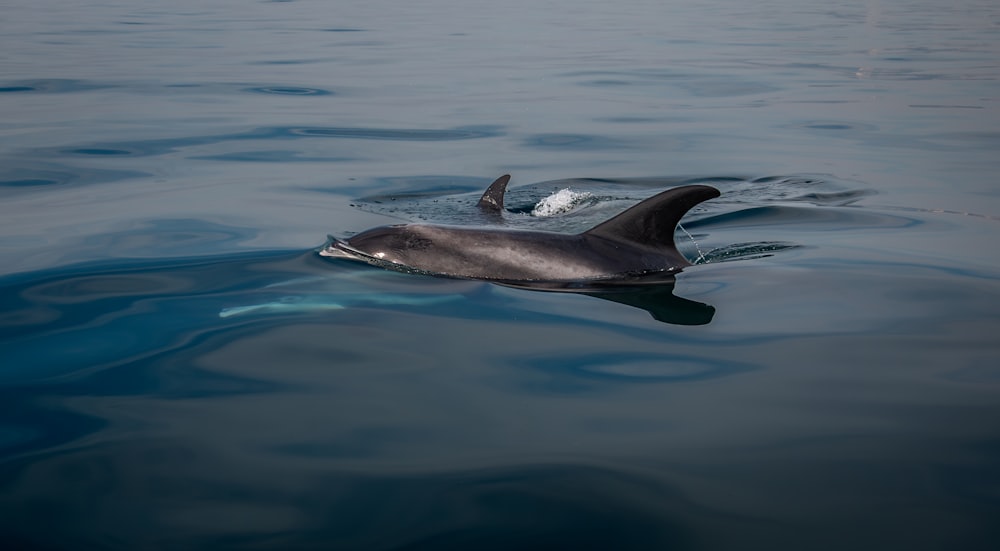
<point>635,247</point>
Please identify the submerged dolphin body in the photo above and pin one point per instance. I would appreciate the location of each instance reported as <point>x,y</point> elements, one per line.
<point>635,247</point>
<point>318,294</point>
<point>292,304</point>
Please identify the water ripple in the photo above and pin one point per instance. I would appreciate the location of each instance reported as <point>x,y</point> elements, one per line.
<point>153,147</point>
<point>49,174</point>
<point>55,86</point>
<point>809,218</point>
<point>593,372</point>
<point>572,142</point>
<point>289,90</point>
<point>396,134</point>
<point>654,80</point>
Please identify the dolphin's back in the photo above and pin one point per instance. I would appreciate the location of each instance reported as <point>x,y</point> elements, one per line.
<point>510,254</point>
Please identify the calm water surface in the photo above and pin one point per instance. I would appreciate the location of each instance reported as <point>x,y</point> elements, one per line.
<point>180,369</point>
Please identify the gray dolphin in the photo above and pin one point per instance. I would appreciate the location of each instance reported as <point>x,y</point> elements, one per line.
<point>635,247</point>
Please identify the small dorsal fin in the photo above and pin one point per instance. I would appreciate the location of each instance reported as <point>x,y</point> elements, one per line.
<point>652,222</point>
<point>492,200</point>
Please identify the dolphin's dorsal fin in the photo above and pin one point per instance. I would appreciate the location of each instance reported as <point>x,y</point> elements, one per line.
<point>652,222</point>
<point>492,200</point>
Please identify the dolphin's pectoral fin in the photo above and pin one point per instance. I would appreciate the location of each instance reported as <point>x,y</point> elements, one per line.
<point>492,200</point>
<point>651,223</point>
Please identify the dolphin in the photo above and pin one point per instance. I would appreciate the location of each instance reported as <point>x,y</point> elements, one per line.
<point>634,247</point>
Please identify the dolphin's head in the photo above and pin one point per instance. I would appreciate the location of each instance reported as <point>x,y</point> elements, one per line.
<point>386,244</point>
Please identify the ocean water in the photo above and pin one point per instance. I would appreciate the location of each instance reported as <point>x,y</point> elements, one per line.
<point>180,369</point>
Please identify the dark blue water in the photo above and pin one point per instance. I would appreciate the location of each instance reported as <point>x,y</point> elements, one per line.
<point>180,369</point>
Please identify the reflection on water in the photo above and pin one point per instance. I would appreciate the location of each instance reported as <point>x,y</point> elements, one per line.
<point>282,399</point>
<point>662,304</point>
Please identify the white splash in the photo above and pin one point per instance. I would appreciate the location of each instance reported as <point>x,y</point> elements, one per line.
<point>701,256</point>
<point>560,202</point>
